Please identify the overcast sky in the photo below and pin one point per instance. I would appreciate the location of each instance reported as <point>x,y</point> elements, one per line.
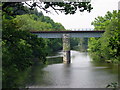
<point>83,20</point>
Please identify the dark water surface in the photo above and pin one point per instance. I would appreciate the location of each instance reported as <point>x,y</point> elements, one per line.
<point>81,73</point>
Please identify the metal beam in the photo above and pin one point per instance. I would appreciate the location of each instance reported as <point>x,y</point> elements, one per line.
<point>59,34</point>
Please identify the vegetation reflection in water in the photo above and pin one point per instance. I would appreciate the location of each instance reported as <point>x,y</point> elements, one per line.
<point>37,74</point>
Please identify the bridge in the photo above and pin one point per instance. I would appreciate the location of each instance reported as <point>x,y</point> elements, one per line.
<point>59,34</point>
<point>66,41</point>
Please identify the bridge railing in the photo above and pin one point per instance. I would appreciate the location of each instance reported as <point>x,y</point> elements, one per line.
<point>81,29</point>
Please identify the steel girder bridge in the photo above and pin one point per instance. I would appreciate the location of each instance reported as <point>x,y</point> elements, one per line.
<point>66,38</point>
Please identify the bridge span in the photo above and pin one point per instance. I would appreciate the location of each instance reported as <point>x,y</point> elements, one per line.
<point>59,34</point>
<point>66,38</point>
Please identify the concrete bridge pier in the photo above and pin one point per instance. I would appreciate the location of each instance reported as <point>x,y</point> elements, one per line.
<point>66,49</point>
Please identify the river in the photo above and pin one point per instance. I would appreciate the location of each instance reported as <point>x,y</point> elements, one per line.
<point>81,73</point>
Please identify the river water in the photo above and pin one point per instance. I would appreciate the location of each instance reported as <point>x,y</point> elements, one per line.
<point>81,73</point>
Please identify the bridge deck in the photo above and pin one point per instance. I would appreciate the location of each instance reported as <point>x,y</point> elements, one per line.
<point>59,34</point>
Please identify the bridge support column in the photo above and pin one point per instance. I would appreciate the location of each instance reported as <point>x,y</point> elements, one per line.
<point>66,48</point>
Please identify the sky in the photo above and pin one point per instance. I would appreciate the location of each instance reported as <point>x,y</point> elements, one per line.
<point>82,20</point>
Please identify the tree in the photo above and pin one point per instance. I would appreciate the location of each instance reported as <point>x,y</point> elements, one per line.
<point>17,8</point>
<point>106,47</point>
<point>100,22</point>
<point>19,50</point>
<point>66,7</point>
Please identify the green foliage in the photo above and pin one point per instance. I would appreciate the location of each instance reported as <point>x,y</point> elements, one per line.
<point>79,44</point>
<point>100,22</point>
<point>19,50</point>
<point>83,44</point>
<point>30,24</point>
<point>94,49</point>
<point>11,9</point>
<point>54,45</point>
<point>107,47</point>
<point>17,8</point>
<point>65,7</point>
<point>74,42</point>
<point>113,85</point>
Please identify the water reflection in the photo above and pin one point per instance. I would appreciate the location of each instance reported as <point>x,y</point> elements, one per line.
<point>81,73</point>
